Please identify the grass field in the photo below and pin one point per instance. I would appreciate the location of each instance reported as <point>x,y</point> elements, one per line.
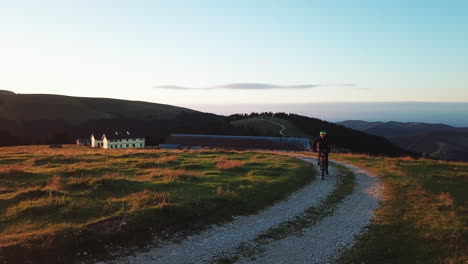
<point>80,198</point>
<point>69,195</point>
<point>424,216</point>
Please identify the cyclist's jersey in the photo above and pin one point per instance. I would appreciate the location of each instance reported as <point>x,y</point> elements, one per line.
<point>323,144</point>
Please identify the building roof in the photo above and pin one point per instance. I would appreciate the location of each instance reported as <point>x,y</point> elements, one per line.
<point>169,145</point>
<point>240,142</point>
<point>97,135</point>
<point>122,135</point>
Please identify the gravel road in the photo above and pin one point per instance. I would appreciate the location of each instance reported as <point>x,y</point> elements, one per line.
<point>322,242</point>
<point>318,244</point>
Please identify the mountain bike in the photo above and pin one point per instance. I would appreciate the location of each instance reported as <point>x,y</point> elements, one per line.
<point>323,163</point>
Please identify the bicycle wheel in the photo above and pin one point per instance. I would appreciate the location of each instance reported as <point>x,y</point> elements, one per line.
<point>322,167</point>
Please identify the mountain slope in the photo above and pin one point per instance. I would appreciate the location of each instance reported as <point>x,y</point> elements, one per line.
<point>396,129</point>
<point>27,119</point>
<point>34,119</point>
<point>341,137</point>
<point>433,140</point>
<point>271,126</point>
<point>441,145</point>
<point>75,110</point>
<point>359,125</point>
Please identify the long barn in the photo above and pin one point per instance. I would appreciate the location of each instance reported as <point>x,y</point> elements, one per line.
<point>239,142</point>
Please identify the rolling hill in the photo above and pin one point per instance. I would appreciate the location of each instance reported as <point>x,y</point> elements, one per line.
<point>343,138</point>
<point>433,140</point>
<point>35,119</point>
<point>78,110</point>
<point>27,119</point>
<point>271,126</point>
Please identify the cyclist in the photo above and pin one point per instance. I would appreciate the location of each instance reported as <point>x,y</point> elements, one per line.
<point>324,148</point>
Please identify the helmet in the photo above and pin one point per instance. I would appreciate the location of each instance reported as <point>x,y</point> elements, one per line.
<point>323,132</point>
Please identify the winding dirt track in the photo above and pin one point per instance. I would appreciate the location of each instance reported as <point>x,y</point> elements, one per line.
<point>319,243</point>
<point>282,127</point>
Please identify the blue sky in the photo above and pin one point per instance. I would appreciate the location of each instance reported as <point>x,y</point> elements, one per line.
<point>234,52</point>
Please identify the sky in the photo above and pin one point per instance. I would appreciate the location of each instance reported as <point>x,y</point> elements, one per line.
<point>235,52</point>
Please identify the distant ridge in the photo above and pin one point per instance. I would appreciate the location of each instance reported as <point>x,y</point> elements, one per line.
<point>75,110</point>
<point>343,138</point>
<point>393,128</point>
<point>5,92</point>
<point>434,140</point>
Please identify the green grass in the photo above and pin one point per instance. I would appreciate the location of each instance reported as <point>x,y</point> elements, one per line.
<point>265,127</point>
<point>424,216</point>
<point>79,196</point>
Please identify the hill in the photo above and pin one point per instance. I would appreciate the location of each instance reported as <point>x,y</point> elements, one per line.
<point>78,110</point>
<point>343,138</point>
<point>433,140</point>
<point>443,145</point>
<point>396,129</point>
<point>27,119</point>
<point>35,119</point>
<point>270,126</point>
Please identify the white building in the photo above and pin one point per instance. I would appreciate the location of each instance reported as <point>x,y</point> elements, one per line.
<point>122,140</point>
<point>96,140</point>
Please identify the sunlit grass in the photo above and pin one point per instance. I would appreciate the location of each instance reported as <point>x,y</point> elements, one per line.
<point>424,215</point>
<point>53,191</point>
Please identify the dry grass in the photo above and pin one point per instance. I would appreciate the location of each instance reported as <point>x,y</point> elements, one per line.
<point>144,199</point>
<point>52,191</point>
<point>422,217</point>
<point>55,184</point>
<point>445,199</point>
<point>11,171</point>
<point>229,164</point>
<point>167,158</point>
<point>38,207</point>
<point>171,175</point>
<point>226,194</point>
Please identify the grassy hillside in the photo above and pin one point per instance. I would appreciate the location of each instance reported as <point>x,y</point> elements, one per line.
<point>31,119</point>
<point>434,140</point>
<point>446,145</point>
<point>54,202</point>
<point>36,119</point>
<point>342,138</point>
<point>76,110</point>
<point>268,126</point>
<point>423,217</point>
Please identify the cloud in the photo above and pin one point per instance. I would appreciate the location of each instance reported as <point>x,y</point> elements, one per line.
<point>173,87</point>
<point>250,86</point>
